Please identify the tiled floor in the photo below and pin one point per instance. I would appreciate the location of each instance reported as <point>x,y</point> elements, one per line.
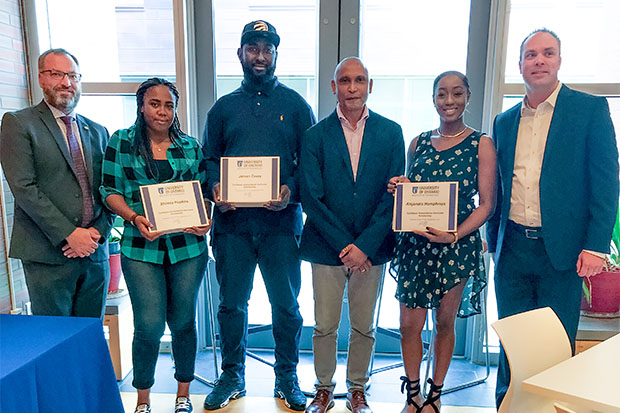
<point>385,386</point>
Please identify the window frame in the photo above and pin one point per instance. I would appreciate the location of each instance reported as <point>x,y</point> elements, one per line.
<point>184,58</point>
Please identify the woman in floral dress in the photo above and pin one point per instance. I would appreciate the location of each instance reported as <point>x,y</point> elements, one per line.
<point>434,267</point>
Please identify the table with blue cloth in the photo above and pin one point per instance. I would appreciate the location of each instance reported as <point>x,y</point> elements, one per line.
<point>55,364</point>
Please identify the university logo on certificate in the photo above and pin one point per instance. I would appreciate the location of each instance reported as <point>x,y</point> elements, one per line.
<point>174,206</point>
<point>249,181</point>
<point>418,205</point>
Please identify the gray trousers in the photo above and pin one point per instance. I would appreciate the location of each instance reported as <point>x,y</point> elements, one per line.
<point>363,290</point>
<point>77,288</point>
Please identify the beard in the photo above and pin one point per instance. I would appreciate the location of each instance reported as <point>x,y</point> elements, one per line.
<point>266,77</point>
<point>63,103</point>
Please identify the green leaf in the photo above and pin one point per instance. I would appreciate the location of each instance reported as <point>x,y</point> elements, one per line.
<point>586,293</point>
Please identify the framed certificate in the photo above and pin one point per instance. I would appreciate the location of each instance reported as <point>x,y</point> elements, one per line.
<point>250,181</point>
<point>418,205</point>
<point>174,206</point>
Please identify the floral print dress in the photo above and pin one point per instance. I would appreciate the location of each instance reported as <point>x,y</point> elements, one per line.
<point>426,271</point>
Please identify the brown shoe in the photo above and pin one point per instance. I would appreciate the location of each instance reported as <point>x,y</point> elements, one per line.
<point>323,401</point>
<point>356,402</point>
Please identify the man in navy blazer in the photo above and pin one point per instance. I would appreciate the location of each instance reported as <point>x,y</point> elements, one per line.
<point>52,159</point>
<point>347,160</point>
<point>558,188</point>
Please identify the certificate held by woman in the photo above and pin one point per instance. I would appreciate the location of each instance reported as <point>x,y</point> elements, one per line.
<point>419,205</point>
<point>174,206</point>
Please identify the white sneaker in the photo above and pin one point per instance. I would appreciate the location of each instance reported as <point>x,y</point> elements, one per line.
<point>142,408</point>
<point>183,405</point>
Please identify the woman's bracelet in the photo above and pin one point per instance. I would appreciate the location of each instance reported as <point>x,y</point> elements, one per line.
<point>132,219</point>
<point>456,237</point>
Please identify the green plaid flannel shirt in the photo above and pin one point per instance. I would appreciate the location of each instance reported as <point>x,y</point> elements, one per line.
<point>123,173</point>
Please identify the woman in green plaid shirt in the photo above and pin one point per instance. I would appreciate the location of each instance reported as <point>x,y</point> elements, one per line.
<point>163,272</point>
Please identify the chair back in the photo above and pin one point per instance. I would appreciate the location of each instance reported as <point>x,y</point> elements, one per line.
<point>533,341</point>
<point>559,408</point>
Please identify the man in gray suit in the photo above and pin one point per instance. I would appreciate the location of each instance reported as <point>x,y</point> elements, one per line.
<point>52,158</point>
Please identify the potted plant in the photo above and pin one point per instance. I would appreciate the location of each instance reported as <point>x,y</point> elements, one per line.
<point>601,293</point>
<point>114,249</point>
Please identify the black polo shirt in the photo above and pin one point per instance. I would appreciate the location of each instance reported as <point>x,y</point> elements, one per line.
<point>258,120</point>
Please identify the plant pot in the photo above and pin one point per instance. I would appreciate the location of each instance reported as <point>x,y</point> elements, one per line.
<point>605,292</point>
<point>115,266</point>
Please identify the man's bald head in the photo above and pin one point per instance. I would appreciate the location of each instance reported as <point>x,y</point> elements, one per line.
<point>351,85</point>
<point>347,61</point>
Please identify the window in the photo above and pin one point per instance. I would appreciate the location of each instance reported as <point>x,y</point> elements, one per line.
<point>119,44</point>
<point>403,66</point>
<point>402,59</point>
<point>588,30</point>
<point>590,52</point>
<point>296,24</point>
<point>296,67</point>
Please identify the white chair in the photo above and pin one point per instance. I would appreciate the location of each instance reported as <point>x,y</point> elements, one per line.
<point>559,408</point>
<point>533,341</point>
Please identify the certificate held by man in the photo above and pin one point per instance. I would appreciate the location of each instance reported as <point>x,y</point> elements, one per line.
<point>174,206</point>
<point>418,205</point>
<point>250,181</point>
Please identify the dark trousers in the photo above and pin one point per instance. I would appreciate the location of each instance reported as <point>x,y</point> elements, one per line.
<point>77,288</point>
<point>160,294</point>
<point>277,256</point>
<point>526,280</point>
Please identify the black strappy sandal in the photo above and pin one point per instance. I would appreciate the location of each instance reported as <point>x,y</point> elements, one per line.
<point>413,389</point>
<point>431,399</point>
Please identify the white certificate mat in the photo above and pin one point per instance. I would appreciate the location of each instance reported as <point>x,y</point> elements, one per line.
<point>174,206</point>
<point>418,205</point>
<point>250,181</point>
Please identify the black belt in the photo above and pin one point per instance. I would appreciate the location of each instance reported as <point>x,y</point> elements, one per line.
<point>528,232</point>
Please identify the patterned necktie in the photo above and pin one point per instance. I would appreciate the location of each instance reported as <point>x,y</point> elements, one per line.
<point>80,170</point>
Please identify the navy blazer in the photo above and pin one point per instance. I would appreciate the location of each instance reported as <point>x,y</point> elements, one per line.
<point>339,209</point>
<point>48,199</point>
<point>578,181</point>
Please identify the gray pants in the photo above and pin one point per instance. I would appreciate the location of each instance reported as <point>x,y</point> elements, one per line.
<point>77,288</point>
<point>363,290</point>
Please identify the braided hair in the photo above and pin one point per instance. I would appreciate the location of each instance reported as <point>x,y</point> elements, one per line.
<point>141,143</point>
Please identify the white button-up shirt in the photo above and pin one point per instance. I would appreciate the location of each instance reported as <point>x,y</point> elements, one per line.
<point>529,153</point>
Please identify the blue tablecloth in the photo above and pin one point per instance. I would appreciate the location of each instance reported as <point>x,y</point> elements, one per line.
<point>55,364</point>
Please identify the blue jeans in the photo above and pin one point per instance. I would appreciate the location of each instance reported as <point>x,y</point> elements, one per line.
<point>236,257</point>
<point>163,293</point>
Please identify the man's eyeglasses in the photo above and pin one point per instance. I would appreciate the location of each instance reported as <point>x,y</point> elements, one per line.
<point>58,75</point>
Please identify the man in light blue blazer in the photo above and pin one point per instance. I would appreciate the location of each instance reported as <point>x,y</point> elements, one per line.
<point>347,160</point>
<point>51,157</point>
<point>558,188</point>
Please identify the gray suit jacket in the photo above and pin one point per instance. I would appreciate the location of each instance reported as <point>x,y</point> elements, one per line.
<point>48,201</point>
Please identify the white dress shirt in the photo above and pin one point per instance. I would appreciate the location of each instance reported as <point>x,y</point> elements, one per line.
<point>529,153</point>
